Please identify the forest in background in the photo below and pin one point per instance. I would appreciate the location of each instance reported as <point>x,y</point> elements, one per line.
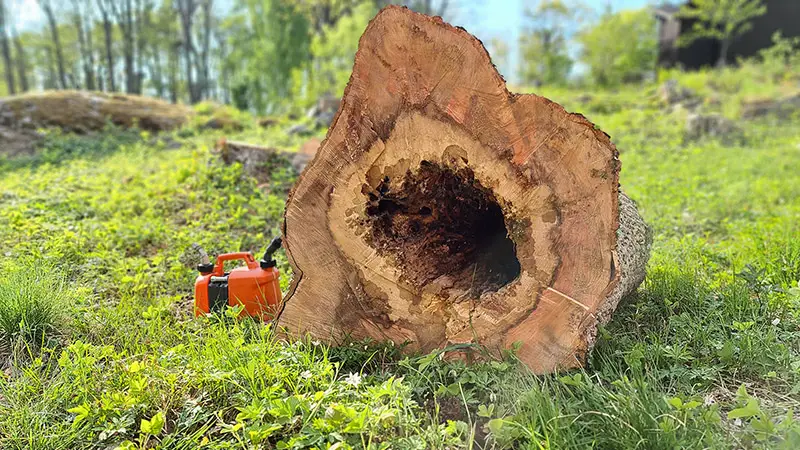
<point>269,55</point>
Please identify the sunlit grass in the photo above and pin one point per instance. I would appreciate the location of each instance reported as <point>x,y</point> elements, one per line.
<point>106,353</point>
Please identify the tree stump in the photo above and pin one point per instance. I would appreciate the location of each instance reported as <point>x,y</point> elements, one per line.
<point>443,209</point>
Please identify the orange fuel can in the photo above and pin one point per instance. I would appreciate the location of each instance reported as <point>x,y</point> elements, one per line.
<point>256,286</point>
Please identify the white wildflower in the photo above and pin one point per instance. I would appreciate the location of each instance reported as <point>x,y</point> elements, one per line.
<point>315,343</point>
<point>306,374</point>
<point>353,379</point>
<point>737,422</point>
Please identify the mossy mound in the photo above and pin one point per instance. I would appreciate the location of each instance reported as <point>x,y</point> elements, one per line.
<point>84,111</point>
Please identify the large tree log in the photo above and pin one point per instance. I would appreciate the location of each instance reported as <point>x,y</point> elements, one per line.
<point>84,111</point>
<point>443,209</point>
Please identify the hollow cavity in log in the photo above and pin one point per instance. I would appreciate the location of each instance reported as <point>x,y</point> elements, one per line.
<point>440,220</point>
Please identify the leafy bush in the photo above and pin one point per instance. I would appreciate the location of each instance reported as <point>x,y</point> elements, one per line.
<point>621,47</point>
<point>333,52</point>
<point>782,60</point>
<point>544,43</point>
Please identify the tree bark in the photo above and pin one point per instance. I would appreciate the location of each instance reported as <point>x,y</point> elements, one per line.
<point>443,209</point>
<point>51,80</point>
<point>156,71</point>
<point>22,70</point>
<point>203,66</point>
<point>173,69</point>
<point>186,10</point>
<point>141,28</point>
<point>93,69</point>
<point>47,8</point>
<point>123,10</point>
<point>8,65</point>
<point>225,72</point>
<point>723,52</point>
<point>83,47</point>
<point>108,35</point>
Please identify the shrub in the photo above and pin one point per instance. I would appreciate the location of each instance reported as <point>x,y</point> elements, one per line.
<point>33,301</point>
<point>621,47</point>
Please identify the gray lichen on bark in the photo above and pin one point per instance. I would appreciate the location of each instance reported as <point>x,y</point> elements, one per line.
<point>634,239</point>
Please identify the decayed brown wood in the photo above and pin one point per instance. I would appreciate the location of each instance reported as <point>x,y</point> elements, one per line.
<point>443,209</point>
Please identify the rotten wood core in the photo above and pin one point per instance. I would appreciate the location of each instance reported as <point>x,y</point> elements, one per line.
<point>443,209</point>
<point>441,222</point>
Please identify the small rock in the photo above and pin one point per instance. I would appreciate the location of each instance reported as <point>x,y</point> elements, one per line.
<point>672,94</point>
<point>257,161</point>
<point>783,107</point>
<point>220,123</point>
<point>300,130</point>
<point>267,122</point>
<point>18,141</point>
<point>713,125</point>
<point>324,110</point>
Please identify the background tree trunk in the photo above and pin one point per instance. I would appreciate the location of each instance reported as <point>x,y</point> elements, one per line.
<point>723,52</point>
<point>173,67</point>
<point>47,8</point>
<point>123,10</point>
<point>51,80</point>
<point>203,68</point>
<point>22,69</point>
<point>85,51</point>
<point>93,69</point>
<point>108,34</point>
<point>186,10</point>
<point>443,209</point>
<point>8,65</point>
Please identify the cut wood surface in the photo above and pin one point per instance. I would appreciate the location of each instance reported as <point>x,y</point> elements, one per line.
<point>443,209</point>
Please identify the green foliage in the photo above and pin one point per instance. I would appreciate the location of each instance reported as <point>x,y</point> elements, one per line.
<point>723,20</point>
<point>333,50</point>
<point>544,43</point>
<point>621,47</point>
<point>269,39</point>
<point>782,60</point>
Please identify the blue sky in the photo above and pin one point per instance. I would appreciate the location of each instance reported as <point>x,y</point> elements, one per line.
<point>503,18</point>
<point>490,17</point>
<point>484,18</point>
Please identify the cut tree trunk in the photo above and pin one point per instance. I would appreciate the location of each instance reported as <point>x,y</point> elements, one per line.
<point>442,209</point>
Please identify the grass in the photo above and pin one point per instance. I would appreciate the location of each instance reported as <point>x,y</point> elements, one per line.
<point>33,303</point>
<point>705,355</point>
